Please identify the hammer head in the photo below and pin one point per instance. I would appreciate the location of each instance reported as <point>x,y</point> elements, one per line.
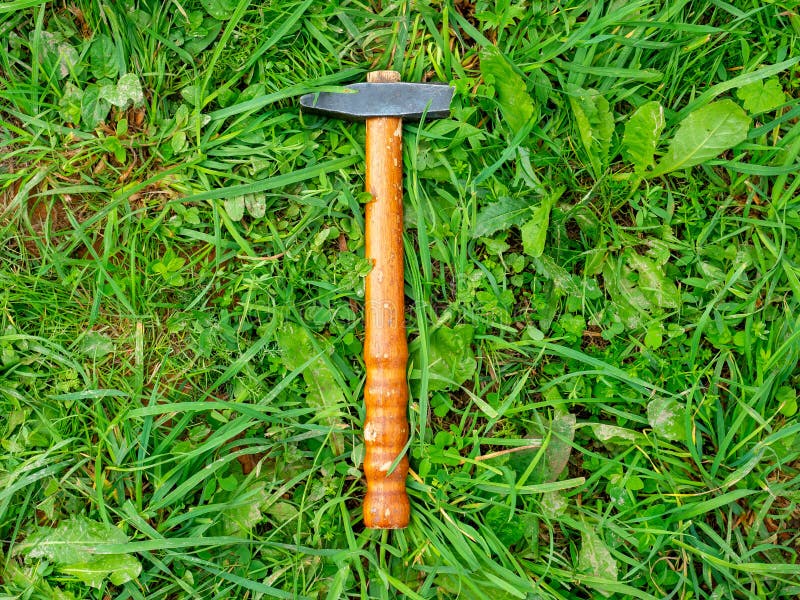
<point>367,100</point>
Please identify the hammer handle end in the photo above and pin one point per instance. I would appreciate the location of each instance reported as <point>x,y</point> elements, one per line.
<point>383,77</point>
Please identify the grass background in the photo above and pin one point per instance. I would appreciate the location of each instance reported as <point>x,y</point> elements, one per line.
<point>613,414</point>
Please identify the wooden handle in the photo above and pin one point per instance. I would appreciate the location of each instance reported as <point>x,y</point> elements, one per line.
<point>385,350</point>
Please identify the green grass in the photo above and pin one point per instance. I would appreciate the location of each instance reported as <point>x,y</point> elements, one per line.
<point>604,343</point>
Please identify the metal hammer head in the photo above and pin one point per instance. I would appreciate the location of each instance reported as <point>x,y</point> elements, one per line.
<point>368,100</point>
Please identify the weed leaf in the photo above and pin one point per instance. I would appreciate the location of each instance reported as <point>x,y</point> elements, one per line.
<point>169,268</point>
<point>234,207</point>
<point>297,347</point>
<point>94,109</point>
<point>787,399</point>
<point>642,133</point>
<point>554,504</point>
<point>653,284</point>
<point>102,58</point>
<point>595,559</point>
<point>118,568</point>
<point>505,525</point>
<point>534,232</point>
<point>595,125</point>
<point>501,215</point>
<point>96,345</point>
<point>703,135</point>
<point>666,417</point>
<point>451,360</point>
<point>178,143</point>
<point>69,106</point>
<point>653,338</point>
<point>560,446</point>
<point>613,436</point>
<point>563,281</point>
<point>60,55</point>
<point>761,96</point>
<point>114,146</point>
<point>220,9</point>
<point>128,90</point>
<point>243,510</point>
<point>72,545</point>
<point>256,205</point>
<point>199,38</point>
<point>512,95</point>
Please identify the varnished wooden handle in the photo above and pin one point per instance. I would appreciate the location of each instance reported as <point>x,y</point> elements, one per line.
<point>385,350</point>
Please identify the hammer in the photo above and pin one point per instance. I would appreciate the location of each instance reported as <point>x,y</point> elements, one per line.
<point>384,102</point>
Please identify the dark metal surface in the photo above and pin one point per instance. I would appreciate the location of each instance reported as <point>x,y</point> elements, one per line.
<point>406,100</point>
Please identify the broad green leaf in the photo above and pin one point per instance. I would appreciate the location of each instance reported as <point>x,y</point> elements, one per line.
<point>451,360</point>
<point>787,398</point>
<point>283,512</point>
<point>181,115</point>
<point>117,568</point>
<point>595,559</point>
<point>323,235</point>
<point>95,345</point>
<point>234,207</point>
<point>508,528</point>
<point>502,14</point>
<point>103,58</point>
<point>572,324</point>
<point>554,504</point>
<point>179,141</point>
<point>556,453</point>
<point>72,540</point>
<point>59,54</point>
<point>495,246</point>
<point>563,281</point>
<point>128,90</point>
<point>642,133</point>
<point>666,417</point>
<point>114,146</point>
<point>630,304</point>
<point>534,232</point>
<point>29,577</point>
<point>94,109</point>
<point>220,9</point>
<point>200,38</point>
<point>242,511</point>
<point>614,436</point>
<point>229,483</point>
<point>703,135</point>
<point>560,445</point>
<point>15,418</point>
<point>72,545</point>
<point>256,205</point>
<point>69,106</point>
<point>654,337</point>
<point>297,347</point>
<point>655,286</point>
<point>761,96</point>
<point>501,215</point>
<point>534,333</point>
<point>595,125</point>
<point>512,94</point>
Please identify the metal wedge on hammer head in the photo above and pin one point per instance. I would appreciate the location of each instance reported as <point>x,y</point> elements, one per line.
<point>384,102</point>
<point>410,101</point>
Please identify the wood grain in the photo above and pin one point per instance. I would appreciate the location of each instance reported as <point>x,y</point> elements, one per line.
<point>386,503</point>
